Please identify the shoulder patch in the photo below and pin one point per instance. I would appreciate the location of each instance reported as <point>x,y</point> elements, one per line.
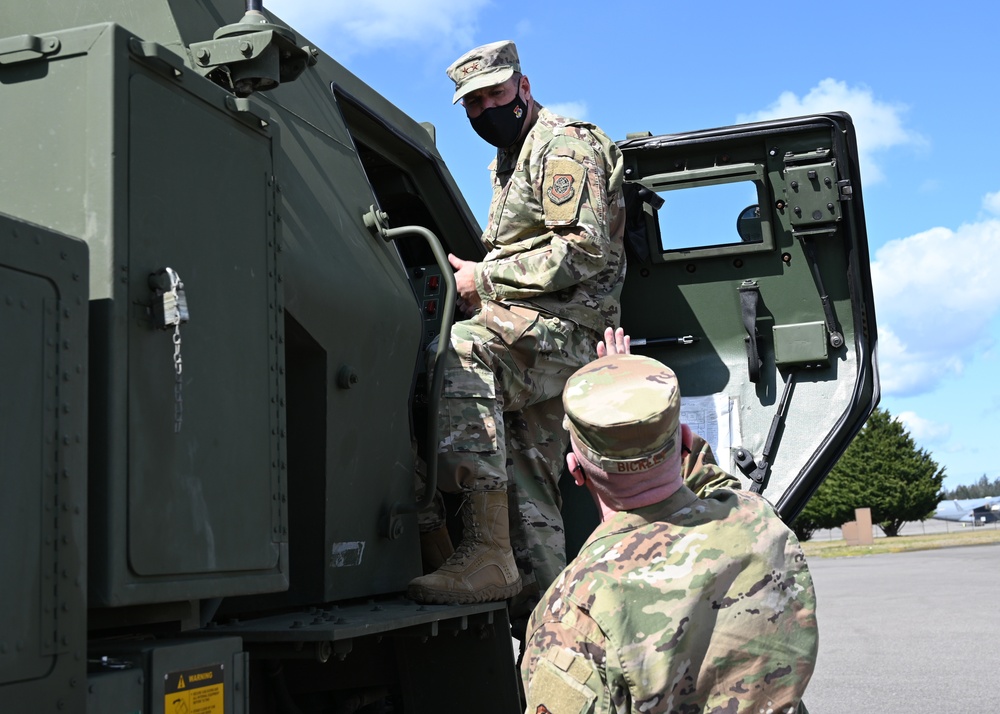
<point>551,690</point>
<point>563,188</point>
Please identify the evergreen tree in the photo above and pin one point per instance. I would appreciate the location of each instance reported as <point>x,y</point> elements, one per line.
<point>983,488</point>
<point>883,470</point>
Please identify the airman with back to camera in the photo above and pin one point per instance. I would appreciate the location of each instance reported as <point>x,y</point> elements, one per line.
<point>677,602</point>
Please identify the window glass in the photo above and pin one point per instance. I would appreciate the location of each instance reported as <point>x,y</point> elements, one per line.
<point>709,215</point>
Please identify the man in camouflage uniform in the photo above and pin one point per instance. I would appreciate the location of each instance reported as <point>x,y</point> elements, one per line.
<point>676,603</point>
<point>539,301</point>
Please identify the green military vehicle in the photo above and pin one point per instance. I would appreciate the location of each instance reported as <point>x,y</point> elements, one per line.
<point>209,485</point>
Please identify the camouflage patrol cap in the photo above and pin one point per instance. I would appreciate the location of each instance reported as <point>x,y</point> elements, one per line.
<point>623,412</point>
<point>484,66</point>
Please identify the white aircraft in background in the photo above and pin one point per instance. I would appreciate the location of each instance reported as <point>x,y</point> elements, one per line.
<point>976,511</point>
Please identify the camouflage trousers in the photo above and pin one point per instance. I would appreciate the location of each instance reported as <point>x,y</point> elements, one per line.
<point>500,424</point>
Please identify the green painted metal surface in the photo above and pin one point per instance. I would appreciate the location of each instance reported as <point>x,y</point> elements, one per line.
<point>43,434</point>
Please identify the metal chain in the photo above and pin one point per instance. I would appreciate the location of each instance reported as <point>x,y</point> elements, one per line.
<point>178,383</point>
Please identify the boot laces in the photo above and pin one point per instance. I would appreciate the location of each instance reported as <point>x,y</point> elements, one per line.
<point>471,535</point>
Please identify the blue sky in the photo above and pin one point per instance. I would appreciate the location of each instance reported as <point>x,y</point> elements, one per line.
<point>919,81</point>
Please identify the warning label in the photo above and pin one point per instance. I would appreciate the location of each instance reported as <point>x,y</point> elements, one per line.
<point>195,691</point>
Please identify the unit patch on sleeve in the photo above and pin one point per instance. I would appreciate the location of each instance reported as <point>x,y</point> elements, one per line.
<point>561,189</point>
<point>552,690</point>
<point>564,185</point>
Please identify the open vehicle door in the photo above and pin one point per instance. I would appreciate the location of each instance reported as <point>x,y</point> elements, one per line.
<point>749,275</point>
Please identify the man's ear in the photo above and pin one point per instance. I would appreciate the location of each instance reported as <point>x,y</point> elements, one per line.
<point>575,470</point>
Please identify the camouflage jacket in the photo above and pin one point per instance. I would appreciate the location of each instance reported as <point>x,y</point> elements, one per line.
<point>700,470</point>
<point>689,605</point>
<point>556,224</point>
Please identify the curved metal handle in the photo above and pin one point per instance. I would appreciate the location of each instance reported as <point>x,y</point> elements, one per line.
<point>375,220</point>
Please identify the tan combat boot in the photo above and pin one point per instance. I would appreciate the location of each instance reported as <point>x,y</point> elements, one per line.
<point>482,568</point>
<point>435,548</point>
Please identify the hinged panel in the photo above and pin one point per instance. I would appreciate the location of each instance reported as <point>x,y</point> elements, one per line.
<point>43,434</point>
<point>788,377</point>
<point>204,456</point>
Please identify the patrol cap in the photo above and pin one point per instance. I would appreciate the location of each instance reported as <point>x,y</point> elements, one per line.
<point>623,412</point>
<point>484,66</point>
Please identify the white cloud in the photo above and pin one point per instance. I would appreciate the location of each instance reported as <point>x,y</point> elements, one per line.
<point>879,125</point>
<point>991,203</point>
<point>936,295</point>
<point>903,371</point>
<point>368,25</point>
<point>574,110</point>
<point>923,430</point>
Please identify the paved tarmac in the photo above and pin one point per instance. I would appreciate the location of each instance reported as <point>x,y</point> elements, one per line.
<point>909,633</point>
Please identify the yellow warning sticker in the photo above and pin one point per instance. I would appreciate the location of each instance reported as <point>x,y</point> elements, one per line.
<point>195,691</point>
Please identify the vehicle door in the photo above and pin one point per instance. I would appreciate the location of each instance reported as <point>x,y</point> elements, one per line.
<point>748,274</point>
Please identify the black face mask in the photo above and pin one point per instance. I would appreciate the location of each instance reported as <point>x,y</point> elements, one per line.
<point>501,126</point>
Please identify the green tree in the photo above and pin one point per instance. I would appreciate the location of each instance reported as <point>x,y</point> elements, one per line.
<point>983,488</point>
<point>883,470</point>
